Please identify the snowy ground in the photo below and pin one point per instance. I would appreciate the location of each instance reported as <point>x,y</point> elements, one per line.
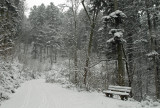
<point>38,94</point>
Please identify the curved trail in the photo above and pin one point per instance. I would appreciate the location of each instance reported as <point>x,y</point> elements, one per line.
<point>38,94</point>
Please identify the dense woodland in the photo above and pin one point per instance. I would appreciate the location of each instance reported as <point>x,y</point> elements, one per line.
<point>105,42</point>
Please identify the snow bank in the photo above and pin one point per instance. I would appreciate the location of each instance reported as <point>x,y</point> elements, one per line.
<point>38,94</point>
<point>9,79</point>
<point>149,103</point>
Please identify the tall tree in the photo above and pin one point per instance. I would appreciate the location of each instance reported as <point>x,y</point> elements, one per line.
<point>9,24</point>
<point>92,19</point>
<point>115,19</point>
<point>74,8</point>
<point>152,34</point>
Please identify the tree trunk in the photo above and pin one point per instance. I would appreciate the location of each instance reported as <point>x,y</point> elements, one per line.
<point>129,62</point>
<point>51,56</point>
<point>69,69</point>
<point>41,54</point>
<point>74,11</point>
<point>86,69</point>
<point>75,65</point>
<point>157,82</point>
<point>115,5</point>
<point>55,56</point>
<point>149,25</point>
<point>120,65</point>
<point>35,51</point>
<point>47,51</point>
<point>153,44</point>
<point>120,54</point>
<point>139,81</point>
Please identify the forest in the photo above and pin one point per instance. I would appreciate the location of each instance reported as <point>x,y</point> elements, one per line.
<point>90,44</point>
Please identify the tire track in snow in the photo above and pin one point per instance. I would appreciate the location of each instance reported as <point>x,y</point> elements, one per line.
<point>44,103</point>
<point>58,99</point>
<point>38,94</point>
<point>53,102</point>
<point>27,97</point>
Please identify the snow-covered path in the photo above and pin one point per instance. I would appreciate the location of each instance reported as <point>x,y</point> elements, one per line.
<point>38,94</point>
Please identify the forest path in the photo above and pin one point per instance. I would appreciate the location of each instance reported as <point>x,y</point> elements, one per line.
<point>38,94</point>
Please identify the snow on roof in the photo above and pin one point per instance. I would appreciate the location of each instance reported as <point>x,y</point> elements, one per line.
<point>153,53</point>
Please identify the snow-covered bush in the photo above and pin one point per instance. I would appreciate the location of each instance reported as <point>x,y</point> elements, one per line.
<point>3,96</point>
<point>58,73</point>
<point>50,78</point>
<point>149,103</point>
<point>9,78</point>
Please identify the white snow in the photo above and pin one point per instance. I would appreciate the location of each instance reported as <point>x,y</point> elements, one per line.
<point>38,94</point>
<point>116,30</point>
<point>123,40</point>
<point>140,41</point>
<point>118,34</point>
<point>115,14</point>
<point>114,92</point>
<point>110,40</point>
<point>10,78</point>
<point>120,87</point>
<point>106,17</point>
<point>120,13</point>
<point>153,53</point>
<point>101,28</point>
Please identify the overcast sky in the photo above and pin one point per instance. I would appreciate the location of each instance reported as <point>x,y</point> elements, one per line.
<point>31,3</point>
